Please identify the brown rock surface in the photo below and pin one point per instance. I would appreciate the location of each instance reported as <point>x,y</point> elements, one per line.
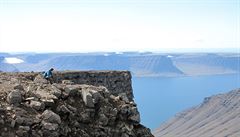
<point>86,106</point>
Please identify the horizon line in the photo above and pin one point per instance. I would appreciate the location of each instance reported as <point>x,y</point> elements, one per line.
<point>170,50</point>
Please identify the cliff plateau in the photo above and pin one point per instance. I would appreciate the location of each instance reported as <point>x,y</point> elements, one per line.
<point>77,104</point>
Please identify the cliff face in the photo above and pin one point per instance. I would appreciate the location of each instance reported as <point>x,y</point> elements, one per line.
<point>217,116</point>
<point>77,104</point>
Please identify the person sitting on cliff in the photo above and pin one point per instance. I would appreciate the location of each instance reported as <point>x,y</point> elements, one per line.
<point>48,75</point>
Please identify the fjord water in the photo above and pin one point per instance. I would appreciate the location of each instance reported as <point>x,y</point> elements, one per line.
<point>160,98</point>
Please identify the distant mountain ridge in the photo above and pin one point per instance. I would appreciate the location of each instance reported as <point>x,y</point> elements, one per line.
<point>208,63</point>
<point>140,64</point>
<point>217,116</point>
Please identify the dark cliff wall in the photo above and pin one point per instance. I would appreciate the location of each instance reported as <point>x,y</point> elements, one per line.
<point>115,81</point>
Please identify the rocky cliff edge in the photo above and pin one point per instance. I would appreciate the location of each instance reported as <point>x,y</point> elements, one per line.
<point>77,104</point>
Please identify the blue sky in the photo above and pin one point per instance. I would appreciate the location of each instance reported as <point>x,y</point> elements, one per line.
<point>114,25</point>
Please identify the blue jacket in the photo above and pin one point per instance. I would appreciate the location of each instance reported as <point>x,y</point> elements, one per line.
<point>47,74</point>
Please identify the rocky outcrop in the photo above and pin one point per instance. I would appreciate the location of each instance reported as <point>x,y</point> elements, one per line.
<point>217,116</point>
<point>72,106</point>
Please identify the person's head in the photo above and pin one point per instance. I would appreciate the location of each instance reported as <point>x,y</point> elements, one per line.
<point>51,69</point>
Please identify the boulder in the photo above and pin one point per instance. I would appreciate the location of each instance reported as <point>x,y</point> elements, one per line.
<point>23,120</point>
<point>2,110</point>
<point>37,105</point>
<point>55,91</point>
<point>39,79</point>
<point>103,120</point>
<point>96,96</point>
<point>87,98</point>
<point>48,102</point>
<point>14,97</point>
<point>49,126</point>
<point>1,121</point>
<point>63,109</point>
<point>43,94</point>
<point>51,117</point>
<point>23,131</point>
<point>18,86</point>
<point>85,117</point>
<point>72,90</point>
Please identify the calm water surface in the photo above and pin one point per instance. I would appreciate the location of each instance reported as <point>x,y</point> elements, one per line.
<point>159,99</point>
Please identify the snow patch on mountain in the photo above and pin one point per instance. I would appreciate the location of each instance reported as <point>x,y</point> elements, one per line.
<point>13,60</point>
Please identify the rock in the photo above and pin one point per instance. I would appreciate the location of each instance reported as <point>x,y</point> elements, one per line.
<point>85,117</point>
<point>30,98</point>
<point>63,109</point>
<point>64,131</point>
<point>59,86</point>
<point>125,109</point>
<point>51,117</point>
<point>1,121</point>
<point>49,126</point>
<point>14,97</point>
<point>103,120</point>
<point>48,102</point>
<point>39,79</point>
<point>18,86</point>
<point>124,135</point>
<point>50,133</point>
<point>55,91</point>
<point>115,98</point>
<point>133,103</point>
<point>91,105</point>
<point>27,121</point>
<point>50,129</point>
<point>35,133</point>
<point>42,94</point>
<point>134,115</point>
<point>96,96</point>
<point>9,108</point>
<point>72,90</point>
<point>68,82</point>
<point>123,96</point>
<point>31,87</point>
<point>142,131</point>
<point>13,123</point>
<point>71,108</point>
<point>23,131</point>
<point>87,98</point>
<point>112,115</point>
<point>2,110</point>
<point>37,105</point>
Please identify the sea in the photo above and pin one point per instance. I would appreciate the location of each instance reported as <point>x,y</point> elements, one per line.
<point>160,98</point>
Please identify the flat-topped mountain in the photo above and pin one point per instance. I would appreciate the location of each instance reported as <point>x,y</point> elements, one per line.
<point>77,104</point>
<point>140,64</point>
<point>217,116</point>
